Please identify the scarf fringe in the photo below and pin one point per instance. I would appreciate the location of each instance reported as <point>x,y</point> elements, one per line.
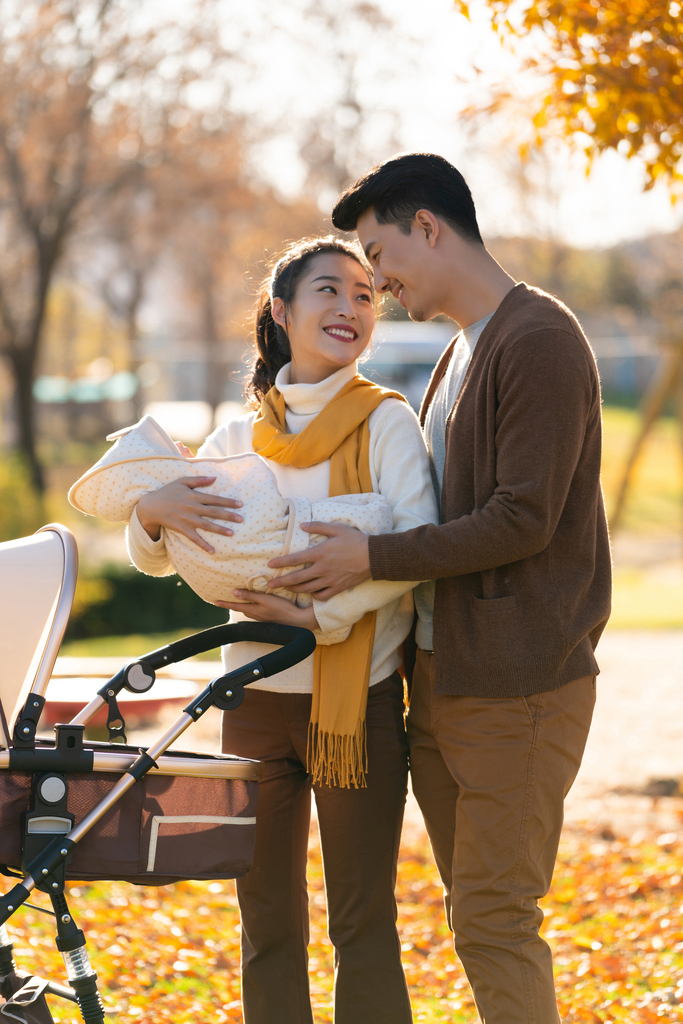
<point>336,760</point>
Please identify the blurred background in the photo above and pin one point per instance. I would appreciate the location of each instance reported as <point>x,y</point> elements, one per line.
<point>154,156</point>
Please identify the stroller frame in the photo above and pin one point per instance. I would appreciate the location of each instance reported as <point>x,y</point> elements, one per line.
<point>45,854</point>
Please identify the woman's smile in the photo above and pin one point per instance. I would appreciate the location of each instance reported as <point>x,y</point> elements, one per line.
<point>341,331</point>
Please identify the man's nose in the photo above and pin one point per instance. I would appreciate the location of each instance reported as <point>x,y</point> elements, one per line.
<point>381,282</point>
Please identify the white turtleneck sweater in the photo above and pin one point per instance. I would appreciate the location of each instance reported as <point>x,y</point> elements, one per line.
<point>399,468</point>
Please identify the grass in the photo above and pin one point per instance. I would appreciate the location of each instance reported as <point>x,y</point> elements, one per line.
<point>655,501</point>
<point>641,600</point>
<point>133,645</point>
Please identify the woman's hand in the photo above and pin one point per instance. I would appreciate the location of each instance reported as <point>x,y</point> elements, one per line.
<point>179,506</point>
<point>270,608</point>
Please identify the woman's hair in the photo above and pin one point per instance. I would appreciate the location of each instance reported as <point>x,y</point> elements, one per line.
<point>272,343</point>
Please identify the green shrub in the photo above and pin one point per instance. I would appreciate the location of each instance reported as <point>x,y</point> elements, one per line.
<point>21,510</point>
<point>119,600</point>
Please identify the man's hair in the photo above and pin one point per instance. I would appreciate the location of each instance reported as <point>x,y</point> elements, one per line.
<point>398,188</point>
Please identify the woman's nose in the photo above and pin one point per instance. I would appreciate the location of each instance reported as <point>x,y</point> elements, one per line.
<point>345,307</point>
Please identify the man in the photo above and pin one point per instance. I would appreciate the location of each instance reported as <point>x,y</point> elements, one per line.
<point>504,683</point>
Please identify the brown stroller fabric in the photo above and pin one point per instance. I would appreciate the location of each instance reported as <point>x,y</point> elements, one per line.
<point>155,834</point>
<point>24,997</point>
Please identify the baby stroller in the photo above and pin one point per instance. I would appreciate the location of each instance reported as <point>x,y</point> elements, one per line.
<point>72,809</point>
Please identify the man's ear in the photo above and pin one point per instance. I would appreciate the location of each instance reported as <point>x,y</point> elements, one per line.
<point>279,313</point>
<point>428,224</point>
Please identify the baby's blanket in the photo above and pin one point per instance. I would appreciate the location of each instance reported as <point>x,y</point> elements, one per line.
<point>145,458</point>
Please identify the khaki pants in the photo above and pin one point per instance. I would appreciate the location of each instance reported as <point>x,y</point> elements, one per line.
<point>359,834</point>
<point>490,776</point>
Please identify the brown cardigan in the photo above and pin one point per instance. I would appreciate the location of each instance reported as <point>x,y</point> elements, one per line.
<point>522,558</point>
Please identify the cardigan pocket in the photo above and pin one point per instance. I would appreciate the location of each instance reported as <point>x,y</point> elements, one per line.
<point>499,623</point>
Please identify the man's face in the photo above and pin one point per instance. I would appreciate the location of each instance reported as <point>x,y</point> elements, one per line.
<point>401,264</point>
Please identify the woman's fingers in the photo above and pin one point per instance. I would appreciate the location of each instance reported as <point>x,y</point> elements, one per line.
<point>181,507</point>
<point>199,541</point>
<point>270,608</point>
<point>208,499</point>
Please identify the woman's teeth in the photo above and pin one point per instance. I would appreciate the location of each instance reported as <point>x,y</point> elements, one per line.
<point>339,332</point>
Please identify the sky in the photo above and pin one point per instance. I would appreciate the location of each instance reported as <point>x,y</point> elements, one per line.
<point>414,78</point>
<point>419,78</point>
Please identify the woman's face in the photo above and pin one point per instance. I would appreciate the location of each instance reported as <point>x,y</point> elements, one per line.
<point>330,321</point>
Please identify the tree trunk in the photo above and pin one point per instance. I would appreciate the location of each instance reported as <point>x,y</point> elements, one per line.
<point>22,362</point>
<point>134,360</point>
<point>663,384</point>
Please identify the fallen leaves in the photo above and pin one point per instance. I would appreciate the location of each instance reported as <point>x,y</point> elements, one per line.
<point>613,919</point>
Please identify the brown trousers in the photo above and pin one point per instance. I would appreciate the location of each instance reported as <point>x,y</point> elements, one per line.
<point>360,831</point>
<point>490,776</point>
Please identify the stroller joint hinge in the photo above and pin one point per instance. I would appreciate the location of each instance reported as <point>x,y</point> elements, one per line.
<point>24,736</point>
<point>115,721</point>
<point>48,868</point>
<point>17,895</point>
<point>141,765</point>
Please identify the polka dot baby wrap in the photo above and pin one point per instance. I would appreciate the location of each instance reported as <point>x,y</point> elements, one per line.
<point>145,458</point>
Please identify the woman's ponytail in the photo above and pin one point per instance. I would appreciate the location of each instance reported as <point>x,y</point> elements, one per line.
<point>271,341</point>
<point>272,350</point>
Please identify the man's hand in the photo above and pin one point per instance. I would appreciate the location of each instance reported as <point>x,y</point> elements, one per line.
<point>270,608</point>
<point>338,563</point>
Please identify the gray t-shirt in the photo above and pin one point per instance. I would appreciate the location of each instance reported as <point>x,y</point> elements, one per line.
<point>435,436</point>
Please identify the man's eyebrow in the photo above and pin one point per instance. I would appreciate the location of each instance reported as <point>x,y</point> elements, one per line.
<point>337,280</point>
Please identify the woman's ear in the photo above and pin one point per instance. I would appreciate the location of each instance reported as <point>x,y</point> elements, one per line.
<point>279,313</point>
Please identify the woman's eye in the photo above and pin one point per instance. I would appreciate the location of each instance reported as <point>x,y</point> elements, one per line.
<point>328,288</point>
<point>364,297</point>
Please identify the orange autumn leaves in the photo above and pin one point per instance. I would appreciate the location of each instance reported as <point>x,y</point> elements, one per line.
<point>613,919</point>
<point>614,74</point>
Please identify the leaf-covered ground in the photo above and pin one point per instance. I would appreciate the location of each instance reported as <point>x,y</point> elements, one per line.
<point>172,953</point>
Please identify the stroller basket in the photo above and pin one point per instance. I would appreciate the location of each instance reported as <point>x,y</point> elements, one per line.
<point>193,817</point>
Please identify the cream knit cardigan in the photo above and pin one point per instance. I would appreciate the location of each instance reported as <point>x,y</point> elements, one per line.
<point>400,472</point>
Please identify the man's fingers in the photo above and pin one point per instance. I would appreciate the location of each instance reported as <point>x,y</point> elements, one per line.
<point>284,561</point>
<point>293,579</point>
<point>323,529</point>
<point>327,593</point>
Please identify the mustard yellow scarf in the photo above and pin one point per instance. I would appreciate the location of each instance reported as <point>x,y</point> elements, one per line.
<point>337,753</point>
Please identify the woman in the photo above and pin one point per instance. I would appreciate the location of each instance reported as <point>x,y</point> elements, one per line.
<point>322,428</point>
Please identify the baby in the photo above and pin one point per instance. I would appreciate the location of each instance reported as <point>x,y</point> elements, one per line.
<point>145,458</point>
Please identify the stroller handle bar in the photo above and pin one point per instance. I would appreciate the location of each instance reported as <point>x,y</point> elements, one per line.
<point>294,642</point>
